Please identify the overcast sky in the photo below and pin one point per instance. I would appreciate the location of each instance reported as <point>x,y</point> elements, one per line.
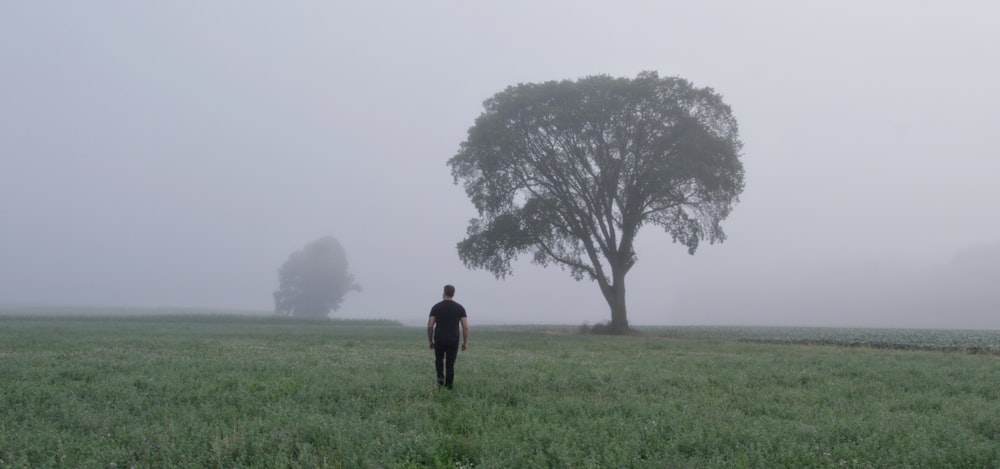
<point>174,153</point>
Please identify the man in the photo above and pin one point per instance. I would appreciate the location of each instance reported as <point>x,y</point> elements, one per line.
<point>442,332</point>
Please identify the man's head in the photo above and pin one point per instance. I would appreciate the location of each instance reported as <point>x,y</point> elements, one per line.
<point>449,291</point>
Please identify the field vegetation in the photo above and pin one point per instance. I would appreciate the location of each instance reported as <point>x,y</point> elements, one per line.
<point>947,340</point>
<point>229,391</point>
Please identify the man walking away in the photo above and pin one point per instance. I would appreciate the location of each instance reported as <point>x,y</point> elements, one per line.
<point>442,332</point>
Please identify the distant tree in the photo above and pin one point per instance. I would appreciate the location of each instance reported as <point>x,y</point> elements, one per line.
<point>571,170</point>
<point>314,280</point>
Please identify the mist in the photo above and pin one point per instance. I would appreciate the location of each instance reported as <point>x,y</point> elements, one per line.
<point>174,154</point>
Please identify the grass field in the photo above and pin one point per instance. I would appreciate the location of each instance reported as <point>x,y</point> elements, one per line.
<point>187,391</point>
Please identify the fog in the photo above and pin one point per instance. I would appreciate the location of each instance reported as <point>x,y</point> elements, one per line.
<point>173,154</point>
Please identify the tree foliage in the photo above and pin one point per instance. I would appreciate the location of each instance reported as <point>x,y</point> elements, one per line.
<point>314,280</point>
<point>569,171</point>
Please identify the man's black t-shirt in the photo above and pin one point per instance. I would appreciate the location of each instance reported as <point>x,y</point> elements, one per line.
<point>447,318</point>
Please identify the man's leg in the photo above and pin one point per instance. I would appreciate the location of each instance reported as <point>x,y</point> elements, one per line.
<point>439,353</point>
<point>450,355</point>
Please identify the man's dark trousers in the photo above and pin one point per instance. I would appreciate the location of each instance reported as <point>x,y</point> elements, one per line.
<point>444,360</point>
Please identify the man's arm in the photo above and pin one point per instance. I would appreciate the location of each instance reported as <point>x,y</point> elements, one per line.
<point>465,333</point>
<point>430,330</point>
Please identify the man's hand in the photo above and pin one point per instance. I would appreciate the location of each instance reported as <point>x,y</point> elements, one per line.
<point>465,346</point>
<point>432,345</point>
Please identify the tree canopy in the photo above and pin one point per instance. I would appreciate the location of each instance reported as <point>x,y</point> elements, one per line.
<point>569,171</point>
<point>314,280</point>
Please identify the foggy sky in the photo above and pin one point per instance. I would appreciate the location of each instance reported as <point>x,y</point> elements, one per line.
<point>173,154</point>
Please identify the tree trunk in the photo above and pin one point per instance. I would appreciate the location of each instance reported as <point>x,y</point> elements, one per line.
<point>615,296</point>
<point>619,319</point>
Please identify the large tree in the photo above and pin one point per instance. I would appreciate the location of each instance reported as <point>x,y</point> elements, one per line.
<point>314,280</point>
<point>569,171</point>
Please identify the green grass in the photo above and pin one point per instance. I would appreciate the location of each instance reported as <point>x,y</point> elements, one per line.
<point>273,392</point>
<point>949,340</point>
